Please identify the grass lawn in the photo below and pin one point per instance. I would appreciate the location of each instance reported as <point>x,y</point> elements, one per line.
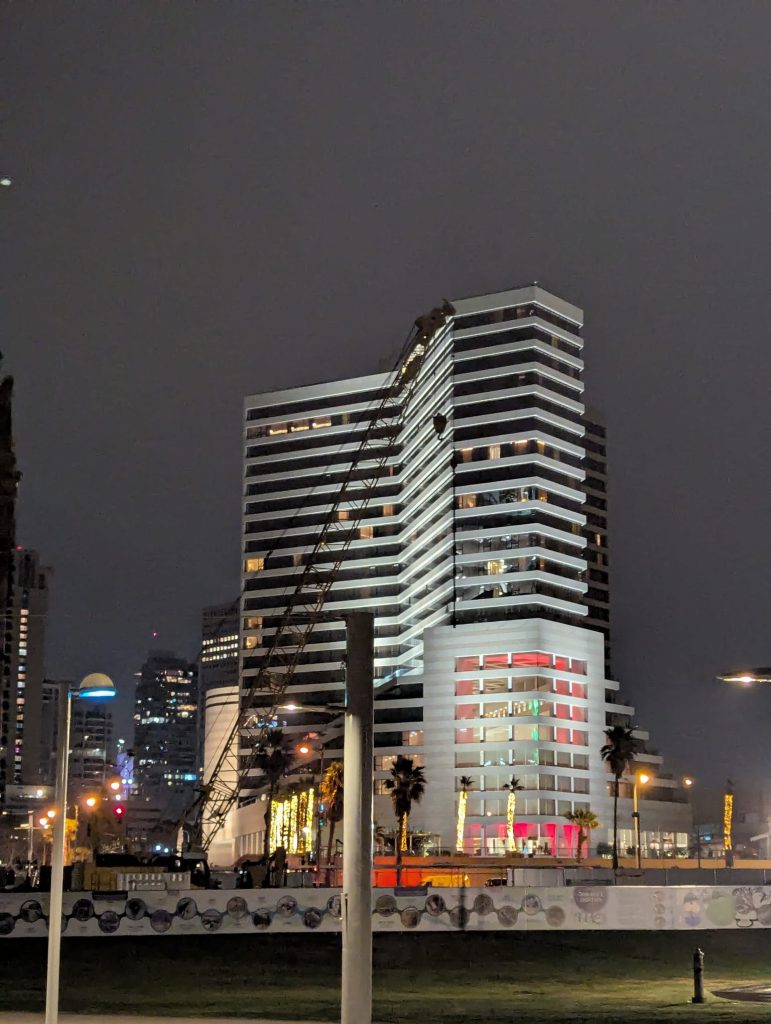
<point>419,979</point>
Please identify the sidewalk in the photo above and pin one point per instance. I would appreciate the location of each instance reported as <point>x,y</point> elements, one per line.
<point>120,1018</point>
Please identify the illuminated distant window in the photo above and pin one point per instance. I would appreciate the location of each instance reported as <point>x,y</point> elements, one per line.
<point>496,567</point>
<point>494,451</point>
<point>467,664</point>
<point>250,642</point>
<point>278,428</point>
<point>343,514</point>
<point>255,564</point>
<point>253,622</point>
<point>321,421</point>
<point>366,532</point>
<point>467,501</point>
<point>389,510</point>
<point>541,446</point>
<point>466,454</point>
<point>299,425</point>
<point>598,540</point>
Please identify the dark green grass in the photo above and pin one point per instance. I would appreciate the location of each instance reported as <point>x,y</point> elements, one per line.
<point>419,979</point>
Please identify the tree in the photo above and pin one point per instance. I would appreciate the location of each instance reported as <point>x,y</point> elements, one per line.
<point>274,760</point>
<point>514,787</point>
<point>407,786</point>
<point>586,821</point>
<point>466,782</point>
<point>331,793</point>
<point>618,753</point>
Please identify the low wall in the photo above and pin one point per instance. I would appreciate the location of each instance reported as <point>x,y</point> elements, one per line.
<point>305,910</point>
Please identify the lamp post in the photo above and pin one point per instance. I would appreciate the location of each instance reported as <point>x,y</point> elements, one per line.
<point>94,687</point>
<point>688,783</point>
<point>642,779</point>
<point>307,748</point>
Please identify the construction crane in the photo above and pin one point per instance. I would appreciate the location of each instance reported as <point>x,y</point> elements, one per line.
<point>305,605</point>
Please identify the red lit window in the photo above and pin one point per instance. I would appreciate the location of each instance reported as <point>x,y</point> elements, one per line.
<point>562,735</point>
<point>530,659</point>
<point>561,663</point>
<point>579,714</point>
<point>563,711</point>
<point>579,689</point>
<point>466,664</point>
<point>562,686</point>
<point>466,711</point>
<point>466,687</point>
<point>496,660</point>
<point>579,738</point>
<point>579,667</point>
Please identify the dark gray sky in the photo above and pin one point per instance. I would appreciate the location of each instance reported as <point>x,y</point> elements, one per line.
<point>216,198</point>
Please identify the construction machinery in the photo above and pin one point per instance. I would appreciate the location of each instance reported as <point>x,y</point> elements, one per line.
<point>240,755</point>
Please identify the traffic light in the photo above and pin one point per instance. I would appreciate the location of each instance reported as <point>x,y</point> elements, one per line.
<point>118,810</point>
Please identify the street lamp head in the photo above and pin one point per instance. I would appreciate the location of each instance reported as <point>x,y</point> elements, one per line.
<point>304,749</point>
<point>747,676</point>
<point>96,686</point>
<point>643,778</point>
<point>91,801</point>
<point>688,781</point>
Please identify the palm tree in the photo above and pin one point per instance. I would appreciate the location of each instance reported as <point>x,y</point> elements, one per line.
<point>274,759</point>
<point>331,793</point>
<point>618,753</point>
<point>514,787</point>
<point>586,821</point>
<point>407,786</point>
<point>466,782</point>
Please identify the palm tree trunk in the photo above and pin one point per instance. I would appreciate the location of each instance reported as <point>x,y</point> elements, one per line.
<point>268,822</point>
<point>581,840</point>
<point>615,825</point>
<point>330,846</point>
<point>401,842</point>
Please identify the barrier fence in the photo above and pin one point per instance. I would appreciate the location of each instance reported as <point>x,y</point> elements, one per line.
<point>564,908</point>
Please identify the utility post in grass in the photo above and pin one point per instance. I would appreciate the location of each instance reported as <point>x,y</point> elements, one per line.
<point>356,1001</point>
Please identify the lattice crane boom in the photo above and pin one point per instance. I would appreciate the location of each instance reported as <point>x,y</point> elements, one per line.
<point>305,605</point>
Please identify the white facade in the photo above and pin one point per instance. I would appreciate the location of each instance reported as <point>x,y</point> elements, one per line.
<point>474,542</point>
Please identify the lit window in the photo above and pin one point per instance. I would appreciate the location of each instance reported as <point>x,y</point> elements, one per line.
<point>366,532</point>
<point>494,451</point>
<point>253,622</point>
<point>278,428</point>
<point>299,425</point>
<point>467,501</point>
<point>466,454</point>
<point>323,421</point>
<point>389,510</point>
<point>496,567</point>
<point>250,642</point>
<point>342,514</point>
<point>255,564</point>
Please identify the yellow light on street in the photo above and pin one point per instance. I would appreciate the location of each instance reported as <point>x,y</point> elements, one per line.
<point>687,781</point>
<point>90,801</point>
<point>643,779</point>
<point>51,812</point>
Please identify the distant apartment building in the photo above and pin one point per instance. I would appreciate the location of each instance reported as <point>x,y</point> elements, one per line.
<point>165,734</point>
<point>9,482</point>
<point>92,750</point>
<point>483,553</point>
<point>218,680</point>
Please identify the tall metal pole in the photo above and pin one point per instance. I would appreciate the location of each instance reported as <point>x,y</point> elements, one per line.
<point>57,859</point>
<point>356,1001</point>
<point>636,816</point>
<point>30,840</point>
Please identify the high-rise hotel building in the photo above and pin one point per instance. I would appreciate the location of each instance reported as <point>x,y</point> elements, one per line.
<point>476,552</point>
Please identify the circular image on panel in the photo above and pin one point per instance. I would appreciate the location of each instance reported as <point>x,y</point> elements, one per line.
<point>187,909</point>
<point>555,916</point>
<point>590,898</point>
<point>7,924</point>
<point>109,922</point>
<point>459,917</point>
<point>483,904</point>
<point>261,919</point>
<point>82,910</point>
<point>334,907</point>
<point>312,917</point>
<point>135,909</point>
<point>386,906</point>
<point>410,917</point>
<point>287,906</point>
<point>237,908</point>
<point>507,916</point>
<point>30,911</point>
<point>435,905</point>
<point>211,919</point>
<point>531,904</point>
<point>161,920</point>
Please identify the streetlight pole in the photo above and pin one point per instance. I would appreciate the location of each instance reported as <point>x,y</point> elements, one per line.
<point>642,779</point>
<point>356,1001</point>
<point>95,686</point>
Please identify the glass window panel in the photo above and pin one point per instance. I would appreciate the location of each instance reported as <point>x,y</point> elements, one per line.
<point>495,685</point>
<point>469,735</point>
<point>496,733</point>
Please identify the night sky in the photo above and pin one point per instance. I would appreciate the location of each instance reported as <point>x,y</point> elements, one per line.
<point>217,198</point>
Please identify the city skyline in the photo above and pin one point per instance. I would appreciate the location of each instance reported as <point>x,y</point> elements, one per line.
<point>120,372</point>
